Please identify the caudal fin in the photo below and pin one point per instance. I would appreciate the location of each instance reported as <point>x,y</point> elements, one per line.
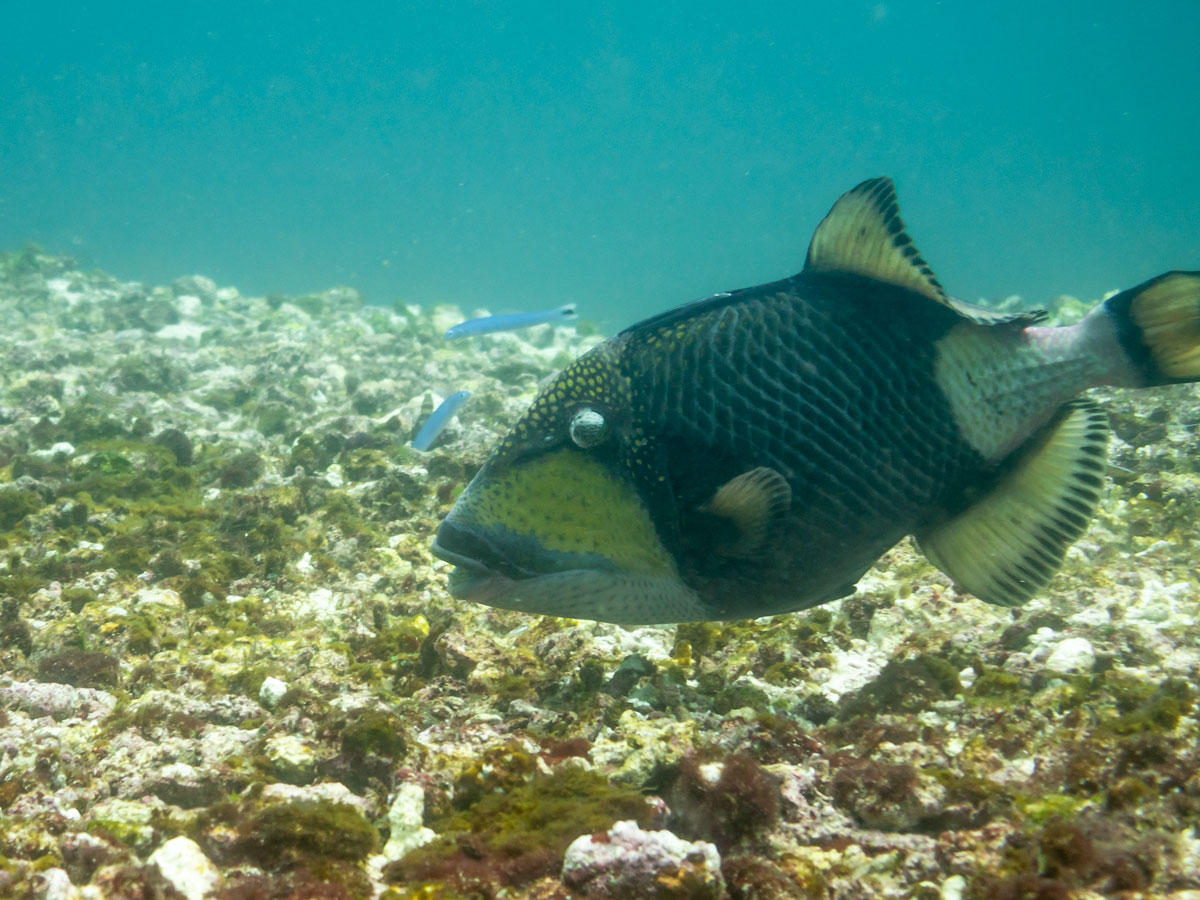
<point>1158,325</point>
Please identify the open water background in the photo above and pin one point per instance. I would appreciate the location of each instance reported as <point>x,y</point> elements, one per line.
<point>626,156</point>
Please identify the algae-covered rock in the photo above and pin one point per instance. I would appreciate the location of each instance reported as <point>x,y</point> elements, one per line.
<point>284,832</point>
<point>517,836</point>
<point>627,863</point>
<point>220,621</point>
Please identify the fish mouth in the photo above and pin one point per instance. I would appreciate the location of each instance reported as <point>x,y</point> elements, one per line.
<point>475,555</point>
<point>578,587</point>
<point>482,574</point>
<point>486,573</point>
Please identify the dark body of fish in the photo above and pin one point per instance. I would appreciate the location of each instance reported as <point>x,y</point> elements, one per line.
<point>755,452</point>
<point>827,382</point>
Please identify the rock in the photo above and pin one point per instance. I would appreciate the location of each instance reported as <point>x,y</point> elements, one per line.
<point>886,796</point>
<point>405,816</point>
<point>271,691</point>
<point>53,884</point>
<point>184,865</point>
<point>59,452</point>
<point>292,759</point>
<point>194,286</point>
<point>455,654</point>
<point>333,791</point>
<point>84,853</point>
<point>184,785</point>
<point>1072,655</point>
<point>638,746</point>
<point>59,701</point>
<point>952,888</point>
<point>629,864</point>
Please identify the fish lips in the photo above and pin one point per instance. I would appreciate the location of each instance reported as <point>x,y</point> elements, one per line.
<point>488,569</point>
<point>475,553</point>
<point>474,581</point>
<point>574,585</point>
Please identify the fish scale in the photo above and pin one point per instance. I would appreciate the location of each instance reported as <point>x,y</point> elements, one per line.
<point>807,425</point>
<point>822,390</point>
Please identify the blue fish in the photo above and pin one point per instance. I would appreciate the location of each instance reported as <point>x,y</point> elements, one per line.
<point>489,324</point>
<point>437,422</point>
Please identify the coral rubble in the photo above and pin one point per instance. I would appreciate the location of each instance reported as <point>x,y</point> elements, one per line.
<point>229,667</point>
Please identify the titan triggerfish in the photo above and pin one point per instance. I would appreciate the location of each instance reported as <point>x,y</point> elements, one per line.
<point>755,452</point>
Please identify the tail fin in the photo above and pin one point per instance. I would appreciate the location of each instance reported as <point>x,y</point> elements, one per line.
<point>1158,326</point>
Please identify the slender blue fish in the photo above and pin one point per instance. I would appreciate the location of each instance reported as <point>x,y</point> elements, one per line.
<point>488,324</point>
<point>436,423</point>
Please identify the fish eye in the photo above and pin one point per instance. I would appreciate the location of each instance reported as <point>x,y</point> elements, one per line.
<point>587,428</point>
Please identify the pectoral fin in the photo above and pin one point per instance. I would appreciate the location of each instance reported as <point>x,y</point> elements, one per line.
<point>755,503</point>
<point>1007,544</point>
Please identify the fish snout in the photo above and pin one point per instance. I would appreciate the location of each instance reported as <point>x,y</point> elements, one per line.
<point>473,552</point>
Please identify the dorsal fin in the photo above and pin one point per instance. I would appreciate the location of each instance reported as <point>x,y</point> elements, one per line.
<point>863,235</point>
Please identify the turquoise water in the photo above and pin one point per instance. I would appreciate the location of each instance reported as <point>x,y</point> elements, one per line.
<point>624,156</point>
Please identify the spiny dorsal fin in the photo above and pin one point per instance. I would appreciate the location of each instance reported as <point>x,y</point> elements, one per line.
<point>1007,545</point>
<point>756,503</point>
<point>863,235</point>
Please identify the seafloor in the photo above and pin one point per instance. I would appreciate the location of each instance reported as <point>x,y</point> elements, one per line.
<point>229,667</point>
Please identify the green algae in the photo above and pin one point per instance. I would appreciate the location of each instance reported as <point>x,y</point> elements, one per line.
<point>272,418</point>
<point>1158,710</point>
<point>134,835</point>
<point>344,513</point>
<point>248,680</point>
<point>741,696</point>
<point>80,668</point>
<point>15,505</point>
<point>785,672</point>
<point>240,470</point>
<point>1051,807</point>
<point>522,833</point>
<point>428,892</point>
<point>709,638</point>
<point>162,518</point>
<point>996,688</point>
<point>905,685</point>
<point>314,453</point>
<point>497,770</point>
<point>178,444</point>
<point>590,676</point>
<point>397,647</point>
<point>286,833</point>
<point>90,419</point>
<point>14,631</point>
<point>374,732</point>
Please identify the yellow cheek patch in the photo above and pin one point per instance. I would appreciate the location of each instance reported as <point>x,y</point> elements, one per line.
<point>570,503</point>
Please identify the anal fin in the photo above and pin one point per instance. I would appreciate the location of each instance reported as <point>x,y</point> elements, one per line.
<point>1006,546</point>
